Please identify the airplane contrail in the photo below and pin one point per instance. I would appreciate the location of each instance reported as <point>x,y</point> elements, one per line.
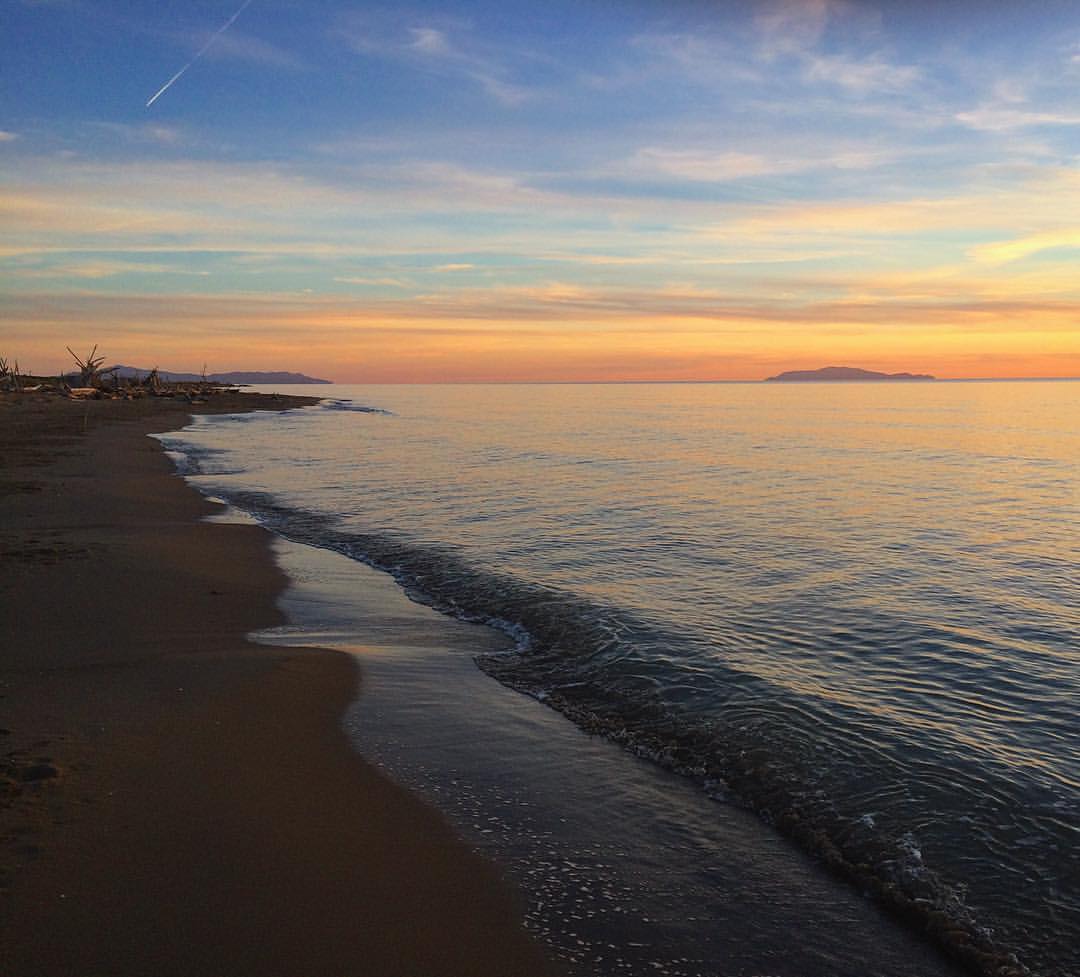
<point>213,37</point>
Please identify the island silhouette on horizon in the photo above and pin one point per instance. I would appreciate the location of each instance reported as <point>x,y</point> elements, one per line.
<point>833,373</point>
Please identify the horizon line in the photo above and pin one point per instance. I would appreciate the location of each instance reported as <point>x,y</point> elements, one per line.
<point>459,383</point>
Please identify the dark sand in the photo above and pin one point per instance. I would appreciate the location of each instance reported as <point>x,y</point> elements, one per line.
<point>174,799</point>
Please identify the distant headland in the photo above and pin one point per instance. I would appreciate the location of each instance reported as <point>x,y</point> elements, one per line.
<point>231,379</point>
<point>833,373</point>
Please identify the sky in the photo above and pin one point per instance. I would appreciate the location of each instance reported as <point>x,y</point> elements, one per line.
<point>574,191</point>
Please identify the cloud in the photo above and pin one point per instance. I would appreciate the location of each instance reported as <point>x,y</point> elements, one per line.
<point>801,31</point>
<point>430,48</point>
<point>996,118</point>
<point>54,221</point>
<point>430,220</point>
<point>357,280</point>
<point>502,310</point>
<point>586,258</point>
<point>238,46</point>
<point>703,165</point>
<point>1010,90</point>
<point>701,58</point>
<point>791,26</point>
<point>8,136</point>
<point>149,133</point>
<point>1002,252</point>
<point>864,76</point>
<point>431,42</point>
<point>708,165</point>
<point>106,268</point>
<point>1030,205</point>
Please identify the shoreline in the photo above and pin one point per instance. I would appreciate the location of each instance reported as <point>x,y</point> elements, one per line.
<point>628,868</point>
<point>177,799</point>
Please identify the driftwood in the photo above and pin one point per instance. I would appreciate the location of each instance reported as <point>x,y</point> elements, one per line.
<point>10,378</point>
<point>91,382</point>
<point>89,368</point>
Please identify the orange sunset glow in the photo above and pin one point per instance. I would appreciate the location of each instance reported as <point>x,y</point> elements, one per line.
<point>661,208</point>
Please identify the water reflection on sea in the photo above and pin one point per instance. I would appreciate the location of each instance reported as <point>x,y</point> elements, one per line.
<point>852,608</point>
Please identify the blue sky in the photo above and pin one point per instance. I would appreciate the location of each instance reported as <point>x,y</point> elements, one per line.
<point>479,191</point>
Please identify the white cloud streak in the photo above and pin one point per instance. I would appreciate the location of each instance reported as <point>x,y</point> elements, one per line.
<point>244,47</point>
<point>431,48</point>
<point>996,118</point>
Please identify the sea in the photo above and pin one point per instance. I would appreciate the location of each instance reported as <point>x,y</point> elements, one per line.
<point>761,679</point>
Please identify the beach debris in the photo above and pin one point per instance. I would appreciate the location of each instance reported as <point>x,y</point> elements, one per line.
<point>9,376</point>
<point>89,368</point>
<point>94,381</point>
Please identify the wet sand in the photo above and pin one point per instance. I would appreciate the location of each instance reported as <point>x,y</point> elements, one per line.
<point>173,798</point>
<point>628,868</point>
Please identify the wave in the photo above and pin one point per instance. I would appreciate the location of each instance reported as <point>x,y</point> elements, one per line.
<point>344,404</point>
<point>619,675</point>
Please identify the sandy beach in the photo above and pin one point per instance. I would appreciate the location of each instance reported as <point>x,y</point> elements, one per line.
<point>175,799</point>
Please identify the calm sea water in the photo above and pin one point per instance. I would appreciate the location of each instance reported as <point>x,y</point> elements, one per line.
<point>853,608</point>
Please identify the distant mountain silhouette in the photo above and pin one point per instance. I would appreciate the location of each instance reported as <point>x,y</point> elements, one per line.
<point>833,373</point>
<point>236,377</point>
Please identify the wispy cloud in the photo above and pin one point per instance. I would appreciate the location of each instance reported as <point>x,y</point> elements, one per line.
<point>1001,252</point>
<point>798,31</point>
<point>431,42</point>
<point>872,74</point>
<point>105,268</point>
<point>618,309</point>
<point>1004,118</point>
<point>701,58</point>
<point>149,133</point>
<point>703,165</point>
<point>238,46</point>
<point>361,280</point>
<point>448,210</point>
<point>788,27</point>
<point>829,48</point>
<point>710,165</point>
<point>1010,90</point>
<point>438,48</point>
<point>1030,205</point>
<point>6,136</point>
